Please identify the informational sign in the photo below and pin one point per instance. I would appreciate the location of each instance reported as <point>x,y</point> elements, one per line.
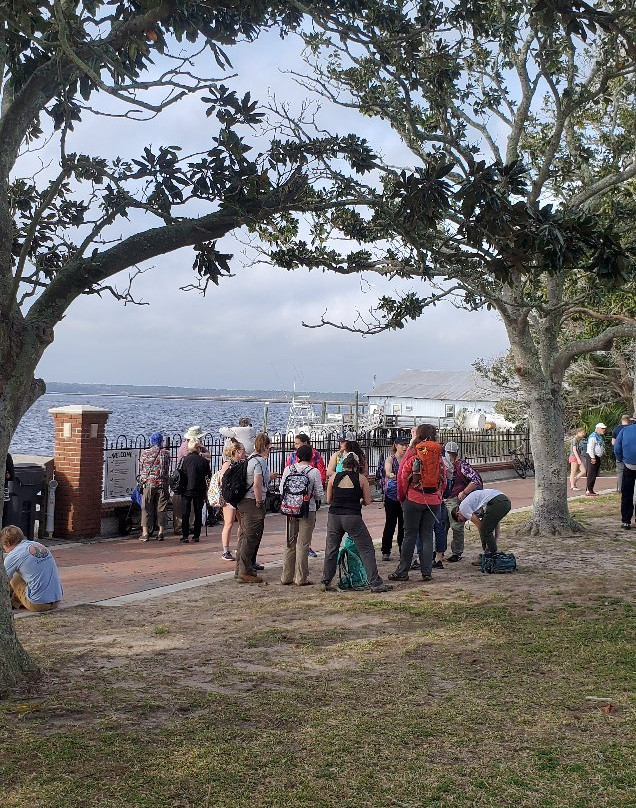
<point>120,473</point>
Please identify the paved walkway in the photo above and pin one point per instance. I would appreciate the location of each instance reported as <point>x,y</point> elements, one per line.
<point>97,571</point>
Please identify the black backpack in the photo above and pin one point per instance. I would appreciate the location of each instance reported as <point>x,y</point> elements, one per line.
<point>234,483</point>
<point>179,480</point>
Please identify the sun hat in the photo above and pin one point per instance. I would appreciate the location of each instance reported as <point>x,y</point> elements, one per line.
<point>452,447</point>
<point>156,439</point>
<point>600,426</point>
<point>194,433</point>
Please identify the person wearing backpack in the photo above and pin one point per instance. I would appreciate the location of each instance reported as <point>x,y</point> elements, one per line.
<point>595,452</point>
<point>154,470</point>
<point>464,480</point>
<point>233,453</point>
<point>252,511</point>
<point>316,461</point>
<point>347,491</point>
<point>196,469</point>
<point>393,515</point>
<point>421,482</point>
<point>301,491</point>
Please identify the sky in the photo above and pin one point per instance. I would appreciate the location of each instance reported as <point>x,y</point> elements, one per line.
<point>247,332</point>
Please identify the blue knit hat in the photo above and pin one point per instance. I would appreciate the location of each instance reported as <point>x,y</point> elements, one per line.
<point>156,439</point>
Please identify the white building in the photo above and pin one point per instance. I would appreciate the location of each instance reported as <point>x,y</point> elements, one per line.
<point>436,395</point>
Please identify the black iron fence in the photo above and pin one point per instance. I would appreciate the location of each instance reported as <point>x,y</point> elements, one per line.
<point>477,446</point>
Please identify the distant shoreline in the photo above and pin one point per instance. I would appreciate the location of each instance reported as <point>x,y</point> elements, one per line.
<point>172,397</point>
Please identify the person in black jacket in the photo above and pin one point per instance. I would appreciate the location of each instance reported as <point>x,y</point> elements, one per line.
<point>197,470</point>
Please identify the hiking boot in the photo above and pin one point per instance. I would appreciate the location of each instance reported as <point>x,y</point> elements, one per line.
<point>437,565</point>
<point>386,556</point>
<point>382,588</point>
<point>626,525</point>
<point>227,556</point>
<point>398,576</point>
<point>312,553</point>
<point>455,557</point>
<point>427,578</point>
<point>250,579</point>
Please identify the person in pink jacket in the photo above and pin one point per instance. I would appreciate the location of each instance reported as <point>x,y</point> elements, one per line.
<point>420,509</point>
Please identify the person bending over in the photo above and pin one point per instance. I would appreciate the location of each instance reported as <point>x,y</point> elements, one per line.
<point>485,509</point>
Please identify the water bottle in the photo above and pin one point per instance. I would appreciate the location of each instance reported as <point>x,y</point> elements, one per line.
<point>416,477</point>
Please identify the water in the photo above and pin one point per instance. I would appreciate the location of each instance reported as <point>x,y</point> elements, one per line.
<point>131,416</point>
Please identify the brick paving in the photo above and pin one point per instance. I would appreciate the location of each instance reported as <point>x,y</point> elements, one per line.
<point>100,570</point>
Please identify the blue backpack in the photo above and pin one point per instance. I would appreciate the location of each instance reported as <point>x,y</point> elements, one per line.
<point>351,571</point>
<point>497,562</point>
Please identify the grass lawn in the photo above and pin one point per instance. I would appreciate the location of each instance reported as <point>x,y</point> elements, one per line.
<point>471,691</point>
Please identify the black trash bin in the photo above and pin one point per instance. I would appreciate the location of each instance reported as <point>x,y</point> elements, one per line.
<point>26,496</point>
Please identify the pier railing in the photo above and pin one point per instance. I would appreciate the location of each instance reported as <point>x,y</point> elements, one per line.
<point>477,446</point>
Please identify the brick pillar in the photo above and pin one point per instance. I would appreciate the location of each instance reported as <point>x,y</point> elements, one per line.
<point>79,467</point>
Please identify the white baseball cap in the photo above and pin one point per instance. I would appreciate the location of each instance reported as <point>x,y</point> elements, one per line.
<point>600,426</point>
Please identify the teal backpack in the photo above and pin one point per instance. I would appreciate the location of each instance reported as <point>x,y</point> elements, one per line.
<point>351,571</point>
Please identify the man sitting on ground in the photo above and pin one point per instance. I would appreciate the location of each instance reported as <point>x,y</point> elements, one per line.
<point>485,509</point>
<point>34,580</point>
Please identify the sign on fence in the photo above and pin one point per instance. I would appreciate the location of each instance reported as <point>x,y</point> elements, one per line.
<point>120,473</point>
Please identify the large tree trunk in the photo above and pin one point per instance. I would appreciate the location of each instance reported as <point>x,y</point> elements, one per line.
<point>18,390</point>
<point>550,515</point>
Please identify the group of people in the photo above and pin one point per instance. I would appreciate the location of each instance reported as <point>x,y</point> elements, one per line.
<point>422,516</point>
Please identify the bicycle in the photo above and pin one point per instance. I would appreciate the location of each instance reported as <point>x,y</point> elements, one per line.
<point>521,463</point>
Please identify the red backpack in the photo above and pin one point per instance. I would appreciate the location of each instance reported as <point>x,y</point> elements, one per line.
<point>425,476</point>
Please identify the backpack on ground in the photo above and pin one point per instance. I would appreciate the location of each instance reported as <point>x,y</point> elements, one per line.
<point>295,496</point>
<point>425,476</point>
<point>497,562</point>
<point>179,480</point>
<point>234,483</point>
<point>351,571</point>
<point>214,491</point>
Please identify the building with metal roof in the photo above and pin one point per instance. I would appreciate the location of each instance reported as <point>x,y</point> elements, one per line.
<point>438,395</point>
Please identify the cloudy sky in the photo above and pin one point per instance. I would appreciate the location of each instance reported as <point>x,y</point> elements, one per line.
<point>247,333</point>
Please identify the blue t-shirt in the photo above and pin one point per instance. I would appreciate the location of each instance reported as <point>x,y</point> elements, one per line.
<point>37,566</point>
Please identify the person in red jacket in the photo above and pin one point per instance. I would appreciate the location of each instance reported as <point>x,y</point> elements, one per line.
<point>316,461</point>
<point>420,509</point>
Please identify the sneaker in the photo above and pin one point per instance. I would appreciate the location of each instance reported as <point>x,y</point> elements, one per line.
<point>312,553</point>
<point>259,567</point>
<point>591,494</point>
<point>416,564</point>
<point>227,556</point>
<point>184,541</point>
<point>455,557</point>
<point>197,540</point>
<point>386,556</point>
<point>382,588</point>
<point>144,538</point>
<point>427,578</point>
<point>398,576</point>
<point>161,537</point>
<point>437,565</point>
<point>626,525</point>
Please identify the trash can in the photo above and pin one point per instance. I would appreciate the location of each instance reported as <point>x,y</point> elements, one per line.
<point>25,498</point>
